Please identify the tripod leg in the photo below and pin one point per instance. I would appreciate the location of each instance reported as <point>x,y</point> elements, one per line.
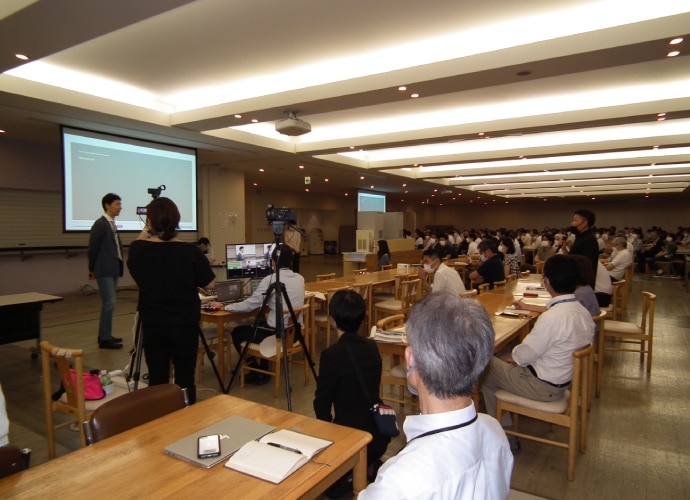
<point>209,355</point>
<point>136,354</point>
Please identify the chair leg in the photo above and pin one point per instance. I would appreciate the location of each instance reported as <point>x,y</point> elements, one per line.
<point>572,443</point>
<point>649,355</point>
<point>600,362</point>
<point>276,391</point>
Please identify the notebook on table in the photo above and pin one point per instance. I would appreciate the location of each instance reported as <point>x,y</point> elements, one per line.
<point>234,432</point>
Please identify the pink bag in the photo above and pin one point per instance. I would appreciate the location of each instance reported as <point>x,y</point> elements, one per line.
<point>93,389</point>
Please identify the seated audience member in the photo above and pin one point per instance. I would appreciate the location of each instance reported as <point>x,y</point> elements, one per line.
<point>431,241</point>
<point>451,451</point>
<point>383,254</point>
<point>473,244</point>
<point>602,285</point>
<point>545,249</point>
<point>584,292</point>
<point>491,269</point>
<point>294,285</point>
<point>656,247</point>
<point>447,249</point>
<point>511,262</point>
<point>446,279</point>
<point>516,243</point>
<point>541,367</point>
<point>621,259</point>
<point>205,246</point>
<point>419,239</point>
<point>4,421</point>
<point>338,387</point>
<point>685,241</point>
<point>665,255</point>
<point>559,243</point>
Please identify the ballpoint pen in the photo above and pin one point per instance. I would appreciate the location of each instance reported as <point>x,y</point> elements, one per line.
<point>286,448</point>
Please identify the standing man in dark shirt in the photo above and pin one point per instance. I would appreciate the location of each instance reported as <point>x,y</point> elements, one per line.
<point>585,243</point>
<point>492,268</point>
<point>105,266</point>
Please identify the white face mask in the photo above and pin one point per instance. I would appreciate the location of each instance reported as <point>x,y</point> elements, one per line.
<point>545,243</point>
<point>428,268</point>
<point>482,258</point>
<point>501,248</point>
<point>442,243</point>
<point>605,236</point>
<point>598,235</point>
<point>635,236</point>
<point>432,240</point>
<point>668,238</point>
<point>412,390</point>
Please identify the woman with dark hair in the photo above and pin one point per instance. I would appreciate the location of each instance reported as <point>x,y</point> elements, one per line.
<point>383,254</point>
<point>419,239</point>
<point>168,272</point>
<point>511,263</point>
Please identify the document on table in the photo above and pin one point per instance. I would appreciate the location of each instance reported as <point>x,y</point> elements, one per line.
<point>276,455</point>
<point>396,336</point>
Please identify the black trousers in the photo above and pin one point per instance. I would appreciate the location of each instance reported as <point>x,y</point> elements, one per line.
<point>176,344</point>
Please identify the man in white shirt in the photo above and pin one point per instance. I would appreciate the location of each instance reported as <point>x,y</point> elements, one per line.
<point>621,259</point>
<point>451,451</point>
<point>542,365</point>
<point>281,259</point>
<point>446,279</point>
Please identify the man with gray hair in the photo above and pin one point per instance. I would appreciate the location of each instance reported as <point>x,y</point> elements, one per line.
<point>451,451</point>
<point>620,261</point>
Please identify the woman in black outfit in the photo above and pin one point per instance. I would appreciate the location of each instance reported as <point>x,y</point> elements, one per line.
<point>338,386</point>
<point>168,272</point>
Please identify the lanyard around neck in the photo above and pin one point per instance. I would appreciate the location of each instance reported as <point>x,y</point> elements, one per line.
<point>445,429</point>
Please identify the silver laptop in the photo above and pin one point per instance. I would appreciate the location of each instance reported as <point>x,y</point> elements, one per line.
<point>234,432</point>
<point>229,291</point>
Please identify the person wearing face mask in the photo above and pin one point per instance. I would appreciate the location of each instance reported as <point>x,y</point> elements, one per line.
<point>545,250</point>
<point>446,279</point>
<point>665,255</point>
<point>511,263</point>
<point>620,261</point>
<point>446,248</point>
<point>559,244</point>
<point>600,241</point>
<point>431,242</point>
<point>491,269</point>
<point>686,238</point>
<point>585,242</point>
<point>656,247</point>
<point>451,451</point>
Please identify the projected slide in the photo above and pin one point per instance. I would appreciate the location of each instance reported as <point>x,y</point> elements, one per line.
<point>95,164</point>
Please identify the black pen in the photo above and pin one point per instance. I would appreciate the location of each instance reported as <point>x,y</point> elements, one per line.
<point>287,448</point>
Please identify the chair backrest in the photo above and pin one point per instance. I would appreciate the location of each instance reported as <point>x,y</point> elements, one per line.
<point>359,271</point>
<point>617,299</point>
<point>483,288</point>
<point>386,267</point>
<point>499,284</point>
<point>511,277</point>
<point>581,384</point>
<point>74,387</point>
<point>599,320</point>
<point>390,322</point>
<point>524,274</point>
<point>323,277</point>
<point>408,293</point>
<point>647,322</point>
<point>13,460</point>
<point>133,409</point>
<point>469,294</point>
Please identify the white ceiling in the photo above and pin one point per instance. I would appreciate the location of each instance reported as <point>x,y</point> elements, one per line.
<point>545,99</point>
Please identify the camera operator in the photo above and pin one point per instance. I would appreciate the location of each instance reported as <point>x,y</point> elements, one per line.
<point>281,258</point>
<point>168,272</point>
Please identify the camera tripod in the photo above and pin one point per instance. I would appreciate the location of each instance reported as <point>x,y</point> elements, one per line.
<point>137,351</point>
<point>279,293</point>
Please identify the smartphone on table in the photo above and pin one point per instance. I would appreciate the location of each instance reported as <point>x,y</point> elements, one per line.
<point>208,446</point>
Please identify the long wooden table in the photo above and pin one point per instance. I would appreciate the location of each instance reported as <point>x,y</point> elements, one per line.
<point>132,464</point>
<point>20,317</point>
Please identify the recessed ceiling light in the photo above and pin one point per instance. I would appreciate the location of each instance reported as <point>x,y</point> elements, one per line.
<point>22,57</point>
<point>660,118</point>
<point>347,194</point>
<point>661,114</point>
<point>238,116</point>
<point>352,147</point>
<point>306,189</point>
<point>676,41</point>
<point>404,185</point>
<point>673,53</point>
<point>361,178</point>
<point>480,134</point>
<point>261,170</point>
<point>2,131</point>
<point>406,192</point>
<point>254,120</point>
<point>325,180</point>
<point>402,88</point>
<point>256,184</point>
<point>301,166</point>
<point>372,186</point>
<point>414,96</point>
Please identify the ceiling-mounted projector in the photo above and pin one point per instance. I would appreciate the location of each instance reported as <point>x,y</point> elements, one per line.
<point>292,125</point>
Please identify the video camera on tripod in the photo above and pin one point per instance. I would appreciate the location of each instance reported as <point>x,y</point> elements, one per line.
<point>278,217</point>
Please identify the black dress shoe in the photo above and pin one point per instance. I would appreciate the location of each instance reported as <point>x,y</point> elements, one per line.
<point>109,344</point>
<point>118,340</point>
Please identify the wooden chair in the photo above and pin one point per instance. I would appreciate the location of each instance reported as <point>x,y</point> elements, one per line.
<point>72,401</point>
<point>359,271</point>
<point>524,274</point>
<point>630,333</point>
<point>386,267</point>
<point>598,355</point>
<point>483,288</point>
<point>364,291</point>
<point>511,277</point>
<point>13,460</point>
<point>500,284</point>
<point>134,409</point>
<point>322,319</point>
<point>324,277</point>
<point>469,294</point>
<point>539,268</point>
<point>403,305</point>
<point>396,372</point>
<point>564,412</point>
<point>615,308</point>
<point>293,347</point>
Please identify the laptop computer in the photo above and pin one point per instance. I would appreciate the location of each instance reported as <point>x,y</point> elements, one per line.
<point>229,291</point>
<point>234,432</point>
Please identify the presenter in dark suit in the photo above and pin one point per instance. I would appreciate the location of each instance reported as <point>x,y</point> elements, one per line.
<point>105,266</point>
<point>338,387</point>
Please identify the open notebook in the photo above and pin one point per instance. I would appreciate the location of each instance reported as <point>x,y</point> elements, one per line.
<point>276,455</point>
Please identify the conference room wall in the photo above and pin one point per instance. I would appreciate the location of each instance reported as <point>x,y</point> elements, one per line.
<point>668,214</point>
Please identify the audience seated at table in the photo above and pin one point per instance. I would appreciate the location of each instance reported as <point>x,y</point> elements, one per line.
<point>446,279</point>
<point>383,254</point>
<point>620,259</point>
<point>451,451</point>
<point>511,262</point>
<point>665,255</point>
<point>491,269</point>
<point>541,367</point>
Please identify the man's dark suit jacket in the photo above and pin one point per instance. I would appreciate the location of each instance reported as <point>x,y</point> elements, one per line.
<point>103,259</point>
<point>586,244</point>
<point>338,387</point>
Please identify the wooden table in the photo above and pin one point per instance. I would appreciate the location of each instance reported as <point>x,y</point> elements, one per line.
<point>132,464</point>
<point>20,316</point>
